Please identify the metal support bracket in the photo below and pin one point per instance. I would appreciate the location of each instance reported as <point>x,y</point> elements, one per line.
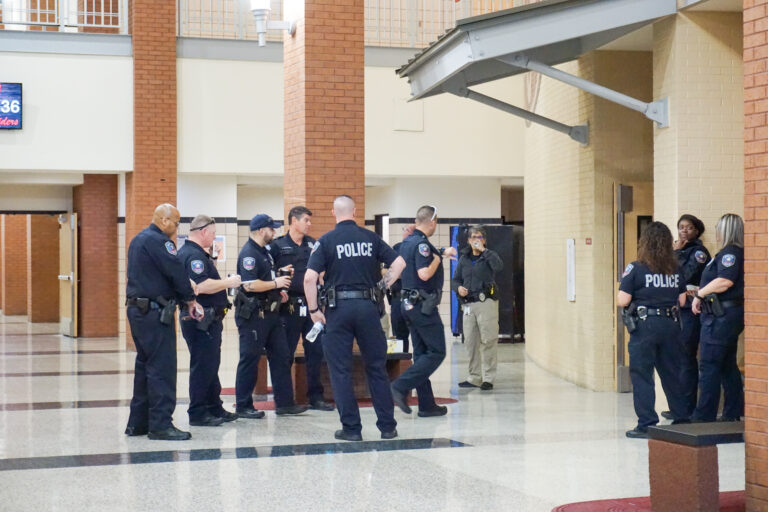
<point>578,133</point>
<point>657,111</point>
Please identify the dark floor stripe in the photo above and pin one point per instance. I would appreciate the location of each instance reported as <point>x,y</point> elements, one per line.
<point>62,352</point>
<point>79,374</point>
<point>117,459</point>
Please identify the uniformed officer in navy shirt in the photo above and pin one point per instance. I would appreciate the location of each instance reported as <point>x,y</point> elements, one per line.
<point>720,301</point>
<point>692,257</point>
<point>294,248</point>
<point>422,292</point>
<point>257,315</point>
<point>397,319</point>
<point>156,281</point>
<point>654,290</point>
<point>351,256</point>
<point>204,338</point>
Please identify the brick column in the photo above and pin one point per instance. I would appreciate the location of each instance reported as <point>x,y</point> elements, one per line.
<point>14,263</point>
<point>42,268</point>
<point>95,202</point>
<point>324,115</point>
<point>2,270</point>
<point>153,180</point>
<point>756,251</point>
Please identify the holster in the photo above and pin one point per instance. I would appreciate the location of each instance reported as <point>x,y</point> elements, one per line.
<point>169,309</point>
<point>712,303</point>
<point>328,295</point>
<point>629,317</point>
<point>207,320</point>
<point>378,294</point>
<point>429,301</point>
<point>245,306</point>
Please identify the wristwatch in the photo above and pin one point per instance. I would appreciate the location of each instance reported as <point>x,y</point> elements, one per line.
<point>314,310</point>
<point>442,251</point>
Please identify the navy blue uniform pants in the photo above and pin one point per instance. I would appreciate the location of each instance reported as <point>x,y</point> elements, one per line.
<point>655,344</point>
<point>204,361</point>
<point>295,326</point>
<point>256,335</point>
<point>154,380</point>
<point>358,319</point>
<point>428,336</point>
<point>718,366</point>
<point>399,324</point>
<point>689,370</point>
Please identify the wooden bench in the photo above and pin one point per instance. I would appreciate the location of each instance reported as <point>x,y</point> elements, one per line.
<point>397,363</point>
<point>682,464</point>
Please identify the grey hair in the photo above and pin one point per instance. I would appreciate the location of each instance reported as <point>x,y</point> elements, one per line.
<point>730,230</point>
<point>425,214</point>
<point>344,205</point>
<point>478,228</point>
<point>200,221</point>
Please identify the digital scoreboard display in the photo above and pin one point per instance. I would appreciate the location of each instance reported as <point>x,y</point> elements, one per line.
<point>10,106</point>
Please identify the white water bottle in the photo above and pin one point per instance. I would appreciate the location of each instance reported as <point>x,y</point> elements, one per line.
<point>312,334</point>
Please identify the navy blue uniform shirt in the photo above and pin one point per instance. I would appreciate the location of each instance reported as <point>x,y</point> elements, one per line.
<point>154,269</point>
<point>351,257</point>
<point>692,259</point>
<point>418,252</point>
<point>256,262</point>
<point>286,252</point>
<point>651,289</point>
<point>200,267</point>
<point>729,264</point>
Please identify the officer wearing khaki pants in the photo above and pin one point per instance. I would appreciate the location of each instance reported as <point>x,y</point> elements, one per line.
<point>474,282</point>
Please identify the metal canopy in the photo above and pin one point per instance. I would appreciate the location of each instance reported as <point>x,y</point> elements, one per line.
<point>533,37</point>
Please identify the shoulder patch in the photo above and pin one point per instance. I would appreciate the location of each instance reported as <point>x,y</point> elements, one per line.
<point>314,246</point>
<point>249,263</point>
<point>627,270</point>
<point>424,250</point>
<point>197,266</point>
<point>728,260</point>
<point>170,247</point>
<point>700,256</point>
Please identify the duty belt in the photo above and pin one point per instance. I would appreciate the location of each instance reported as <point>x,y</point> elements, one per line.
<point>353,294</point>
<point>644,312</point>
<point>476,297</point>
<point>732,303</point>
<point>141,302</point>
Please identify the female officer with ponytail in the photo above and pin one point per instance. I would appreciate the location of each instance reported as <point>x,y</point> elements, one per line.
<point>652,290</point>
<point>720,300</point>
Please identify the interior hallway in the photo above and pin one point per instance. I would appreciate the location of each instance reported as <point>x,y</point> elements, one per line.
<point>532,443</point>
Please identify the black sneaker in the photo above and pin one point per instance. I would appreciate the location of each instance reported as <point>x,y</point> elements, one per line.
<point>250,414</point>
<point>667,415</point>
<point>228,416</point>
<point>291,409</point>
<point>437,410</point>
<point>467,384</point>
<point>136,431</point>
<point>170,434</point>
<point>389,435</point>
<point>343,435</point>
<point>207,421</point>
<point>637,433</point>
<point>321,405</point>
<point>486,386</point>
<point>400,400</point>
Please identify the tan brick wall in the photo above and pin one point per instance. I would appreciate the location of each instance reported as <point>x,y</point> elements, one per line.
<point>756,251</point>
<point>699,158</point>
<point>153,180</point>
<point>42,268</point>
<point>15,265</point>
<point>569,194</point>
<point>324,114</point>
<point>95,202</point>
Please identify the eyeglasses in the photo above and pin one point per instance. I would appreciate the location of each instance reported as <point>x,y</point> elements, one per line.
<point>203,226</point>
<point>477,237</point>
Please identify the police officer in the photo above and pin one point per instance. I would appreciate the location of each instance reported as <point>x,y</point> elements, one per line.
<point>155,281</point>
<point>422,292</point>
<point>293,249</point>
<point>350,256</point>
<point>258,321</point>
<point>720,301</point>
<point>394,295</point>
<point>474,281</point>
<point>652,290</point>
<point>204,338</point>
<point>692,257</point>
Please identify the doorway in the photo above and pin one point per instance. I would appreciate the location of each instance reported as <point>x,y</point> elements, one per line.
<point>68,274</point>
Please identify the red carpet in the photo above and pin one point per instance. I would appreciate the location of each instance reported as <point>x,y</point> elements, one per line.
<point>729,502</point>
<point>269,405</point>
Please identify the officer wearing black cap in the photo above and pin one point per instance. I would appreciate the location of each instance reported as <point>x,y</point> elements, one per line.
<point>204,338</point>
<point>156,280</point>
<point>720,301</point>
<point>652,290</point>
<point>351,256</point>
<point>293,249</point>
<point>692,257</point>
<point>422,292</point>
<point>258,322</point>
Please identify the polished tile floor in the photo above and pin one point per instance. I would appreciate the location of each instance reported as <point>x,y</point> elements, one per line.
<point>532,443</point>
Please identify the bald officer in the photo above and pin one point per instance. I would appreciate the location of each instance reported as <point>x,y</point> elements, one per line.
<point>156,281</point>
<point>351,256</point>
